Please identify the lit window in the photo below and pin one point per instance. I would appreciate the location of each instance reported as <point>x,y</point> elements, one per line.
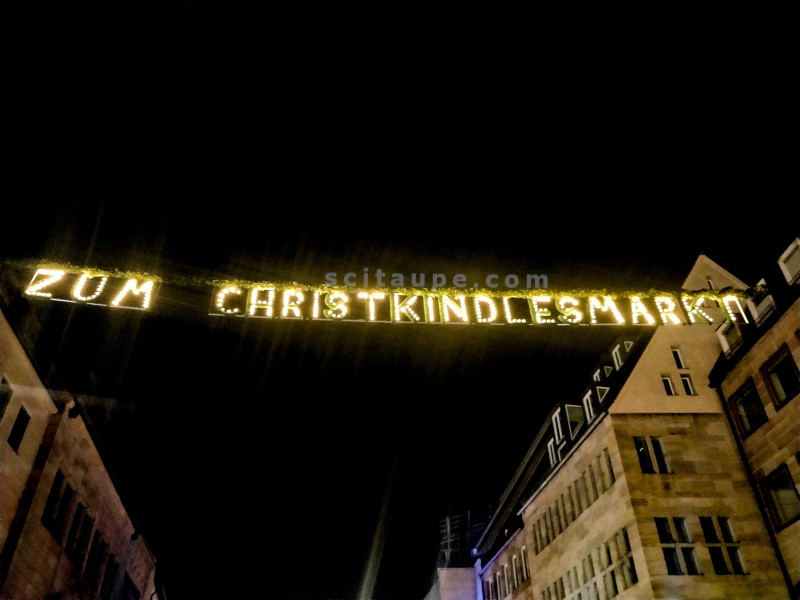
<point>722,542</point>
<point>524,558</point>
<point>789,262</point>
<point>783,380</point>
<point>551,452</point>
<point>676,354</point>
<point>747,409</point>
<point>18,429</point>
<point>669,388</point>
<point>677,546</point>
<point>515,569</point>
<point>781,493</point>
<point>686,380</point>
<point>652,454</point>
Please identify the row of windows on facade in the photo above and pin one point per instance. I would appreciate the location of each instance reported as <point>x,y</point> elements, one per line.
<point>679,551</point>
<point>595,480</point>
<point>780,374</point>
<point>499,584</point>
<point>92,562</point>
<point>608,567</point>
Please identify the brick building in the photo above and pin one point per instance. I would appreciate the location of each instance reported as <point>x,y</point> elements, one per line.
<point>673,475</point>
<point>64,529</point>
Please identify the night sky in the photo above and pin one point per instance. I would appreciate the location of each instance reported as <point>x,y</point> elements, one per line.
<point>267,459</point>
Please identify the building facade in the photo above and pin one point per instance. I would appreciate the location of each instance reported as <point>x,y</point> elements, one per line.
<point>64,530</point>
<point>675,473</point>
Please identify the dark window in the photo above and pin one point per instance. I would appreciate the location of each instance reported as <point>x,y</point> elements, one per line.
<point>72,538</point>
<point>708,530</point>
<point>642,451</point>
<point>5,395</point>
<point>747,409</point>
<point>668,387</point>
<point>718,560</point>
<point>676,354</point>
<point>18,430</point>
<point>782,377</point>
<point>664,532</point>
<point>64,505</point>
<point>671,558</point>
<point>51,505</point>
<point>782,497</point>
<point>688,387</point>
<point>660,454</point>
<point>690,560</point>
<point>109,577</point>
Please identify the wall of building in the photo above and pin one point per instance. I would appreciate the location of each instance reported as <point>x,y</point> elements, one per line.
<point>775,443</point>
<point>60,549</point>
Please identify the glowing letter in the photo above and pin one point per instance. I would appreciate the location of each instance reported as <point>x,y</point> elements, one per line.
<point>735,316</point>
<point>509,317</point>
<point>693,308</point>
<point>337,305</point>
<point>492,309</point>
<point>540,314</point>
<point>258,304</point>
<point>33,289</point>
<point>638,309</point>
<point>607,304</point>
<point>667,313</point>
<point>404,307</point>
<point>77,291</point>
<point>447,305</point>
<point>289,305</point>
<point>370,302</point>
<point>568,315</point>
<point>131,286</point>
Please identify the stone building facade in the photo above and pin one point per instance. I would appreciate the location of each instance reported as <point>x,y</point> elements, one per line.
<point>645,486</point>
<point>64,530</point>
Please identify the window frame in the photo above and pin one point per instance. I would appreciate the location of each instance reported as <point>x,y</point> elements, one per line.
<point>764,485</point>
<point>745,390</point>
<point>781,355</point>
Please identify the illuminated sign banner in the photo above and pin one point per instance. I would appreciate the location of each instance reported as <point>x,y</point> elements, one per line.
<point>252,300</point>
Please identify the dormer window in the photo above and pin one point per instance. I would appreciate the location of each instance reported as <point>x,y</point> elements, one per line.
<point>789,262</point>
<point>761,305</point>
<point>730,337</point>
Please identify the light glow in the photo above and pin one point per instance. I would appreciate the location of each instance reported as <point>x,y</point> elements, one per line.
<point>540,315</point>
<point>666,308</point>
<point>131,286</point>
<point>34,288</point>
<point>478,300</point>
<point>607,305</point>
<point>638,309</point>
<point>77,290</point>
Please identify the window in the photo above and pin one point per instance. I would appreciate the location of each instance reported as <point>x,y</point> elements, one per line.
<point>109,577</point>
<point>18,429</point>
<point>5,394</point>
<point>688,388</point>
<point>747,409</point>
<point>789,262</point>
<point>783,380</point>
<point>524,558</point>
<point>653,460</point>
<point>722,542</point>
<point>51,505</point>
<point>782,498</point>
<point>669,388</point>
<point>677,546</point>
<point>729,336</point>
<point>551,452</point>
<point>676,354</point>
<point>64,505</point>
<point>515,569</point>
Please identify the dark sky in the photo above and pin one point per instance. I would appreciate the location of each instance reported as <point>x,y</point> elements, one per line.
<point>263,460</point>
